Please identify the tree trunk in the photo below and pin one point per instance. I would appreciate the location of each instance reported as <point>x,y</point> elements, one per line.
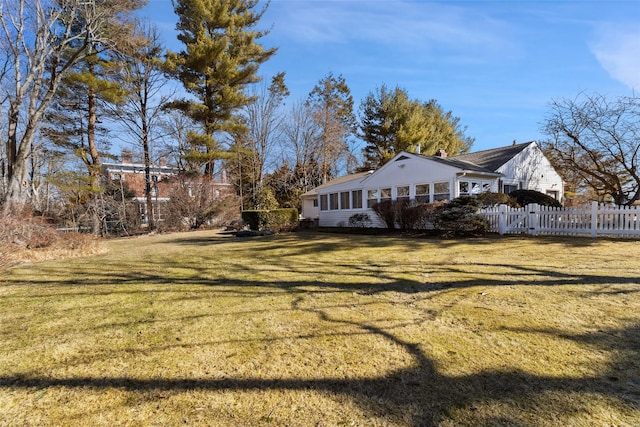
<point>94,161</point>
<point>17,195</point>
<point>147,172</point>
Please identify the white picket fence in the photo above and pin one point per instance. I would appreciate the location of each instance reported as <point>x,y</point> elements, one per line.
<point>591,220</point>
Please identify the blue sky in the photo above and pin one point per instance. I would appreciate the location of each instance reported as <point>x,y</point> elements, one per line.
<point>494,64</point>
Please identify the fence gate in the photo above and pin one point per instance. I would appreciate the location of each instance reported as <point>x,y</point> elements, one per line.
<point>594,220</point>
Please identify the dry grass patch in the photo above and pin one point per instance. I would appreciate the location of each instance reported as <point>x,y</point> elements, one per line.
<point>307,329</point>
<point>26,239</point>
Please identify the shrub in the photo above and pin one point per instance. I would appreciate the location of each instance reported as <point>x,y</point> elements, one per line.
<point>198,202</point>
<point>284,219</point>
<point>386,210</point>
<point>275,219</point>
<point>360,220</point>
<point>460,217</point>
<point>488,200</point>
<point>28,238</point>
<point>526,197</point>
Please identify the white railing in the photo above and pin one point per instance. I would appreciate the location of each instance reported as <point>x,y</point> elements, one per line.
<point>591,220</point>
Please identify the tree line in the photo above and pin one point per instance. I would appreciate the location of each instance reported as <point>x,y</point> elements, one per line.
<point>77,75</point>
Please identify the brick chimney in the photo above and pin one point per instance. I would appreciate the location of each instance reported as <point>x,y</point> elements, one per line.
<point>127,156</point>
<point>441,153</point>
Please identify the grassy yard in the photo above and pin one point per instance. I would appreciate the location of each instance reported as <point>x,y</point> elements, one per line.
<point>325,330</point>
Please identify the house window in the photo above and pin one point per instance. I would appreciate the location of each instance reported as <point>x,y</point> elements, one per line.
<point>154,191</point>
<point>422,193</point>
<point>323,202</point>
<point>385,194</point>
<point>402,193</point>
<point>117,177</point>
<point>466,188</point>
<point>333,201</point>
<point>463,188</point>
<point>441,191</point>
<point>356,199</point>
<point>315,203</point>
<point>155,178</point>
<point>344,200</point>
<point>553,194</point>
<point>486,187</point>
<point>475,188</point>
<point>372,198</point>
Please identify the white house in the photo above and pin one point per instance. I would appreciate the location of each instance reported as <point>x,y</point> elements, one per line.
<point>413,176</point>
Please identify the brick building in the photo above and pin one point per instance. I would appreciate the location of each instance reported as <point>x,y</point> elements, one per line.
<point>164,180</point>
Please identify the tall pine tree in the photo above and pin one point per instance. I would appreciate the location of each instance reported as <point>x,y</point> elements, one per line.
<point>221,57</point>
<point>391,122</point>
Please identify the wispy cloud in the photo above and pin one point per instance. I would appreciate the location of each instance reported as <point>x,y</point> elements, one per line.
<point>407,25</point>
<point>618,50</point>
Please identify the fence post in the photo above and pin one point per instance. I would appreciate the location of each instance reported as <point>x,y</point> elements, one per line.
<point>594,219</point>
<point>502,219</point>
<point>534,219</point>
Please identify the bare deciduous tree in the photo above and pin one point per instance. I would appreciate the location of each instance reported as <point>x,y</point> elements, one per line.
<point>42,40</point>
<point>140,114</point>
<point>598,140</point>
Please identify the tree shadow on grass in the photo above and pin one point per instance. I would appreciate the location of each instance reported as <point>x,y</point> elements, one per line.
<point>419,395</point>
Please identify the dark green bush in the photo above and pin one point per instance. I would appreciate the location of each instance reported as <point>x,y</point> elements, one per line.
<point>459,217</point>
<point>527,197</point>
<point>488,200</point>
<point>275,219</point>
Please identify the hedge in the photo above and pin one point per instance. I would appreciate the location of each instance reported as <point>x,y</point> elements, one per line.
<point>274,219</point>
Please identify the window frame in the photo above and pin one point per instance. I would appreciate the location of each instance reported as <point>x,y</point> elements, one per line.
<point>356,199</point>
<point>441,195</point>
<point>345,200</point>
<point>324,202</point>
<point>423,197</point>
<point>385,193</point>
<point>334,201</point>
<point>372,200</point>
<point>404,196</point>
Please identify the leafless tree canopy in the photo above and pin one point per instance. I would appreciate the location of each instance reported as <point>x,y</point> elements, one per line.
<point>598,140</point>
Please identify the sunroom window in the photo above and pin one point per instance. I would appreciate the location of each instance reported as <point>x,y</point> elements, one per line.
<point>422,193</point>
<point>356,199</point>
<point>385,194</point>
<point>372,198</point>
<point>402,192</point>
<point>441,191</point>
<point>344,200</point>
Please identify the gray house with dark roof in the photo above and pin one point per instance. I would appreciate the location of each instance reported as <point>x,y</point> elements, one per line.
<point>411,176</point>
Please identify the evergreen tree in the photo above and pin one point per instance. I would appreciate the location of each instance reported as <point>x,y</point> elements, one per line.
<point>391,122</point>
<point>74,121</point>
<point>221,57</point>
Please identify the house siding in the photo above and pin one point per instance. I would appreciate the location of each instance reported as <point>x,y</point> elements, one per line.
<point>402,175</point>
<point>531,170</point>
<point>340,218</point>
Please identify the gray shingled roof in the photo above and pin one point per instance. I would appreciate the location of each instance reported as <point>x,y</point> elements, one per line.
<point>339,180</point>
<point>493,159</point>
<point>460,164</point>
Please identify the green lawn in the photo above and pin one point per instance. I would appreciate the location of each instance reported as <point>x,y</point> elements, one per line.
<point>325,330</point>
